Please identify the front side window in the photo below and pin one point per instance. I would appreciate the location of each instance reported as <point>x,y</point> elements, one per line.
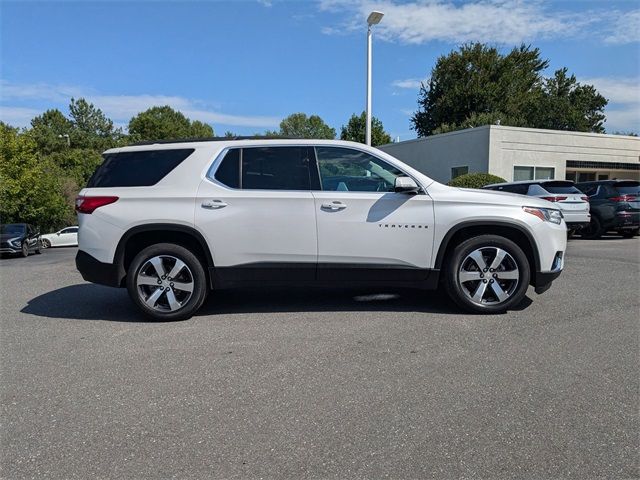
<point>347,170</point>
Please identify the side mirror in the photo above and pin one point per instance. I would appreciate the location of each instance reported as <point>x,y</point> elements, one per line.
<point>406,185</point>
<point>58,233</point>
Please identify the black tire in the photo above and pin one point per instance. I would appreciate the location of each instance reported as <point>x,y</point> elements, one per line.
<point>629,233</point>
<point>454,264</point>
<point>594,230</point>
<point>24,250</point>
<point>196,273</point>
<point>570,234</point>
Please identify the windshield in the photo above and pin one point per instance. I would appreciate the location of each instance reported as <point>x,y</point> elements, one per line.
<point>12,229</point>
<point>628,188</point>
<point>560,187</point>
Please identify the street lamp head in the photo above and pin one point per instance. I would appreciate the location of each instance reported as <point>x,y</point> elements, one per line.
<point>374,18</point>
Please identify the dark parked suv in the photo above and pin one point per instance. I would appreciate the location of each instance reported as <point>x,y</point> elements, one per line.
<point>615,205</point>
<point>20,238</point>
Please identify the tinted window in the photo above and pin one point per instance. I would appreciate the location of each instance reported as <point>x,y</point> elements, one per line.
<point>228,173</point>
<point>137,169</point>
<point>344,169</point>
<point>588,189</point>
<point>457,171</point>
<point>560,187</point>
<point>628,188</point>
<point>12,229</point>
<point>519,189</point>
<point>69,230</point>
<point>275,168</point>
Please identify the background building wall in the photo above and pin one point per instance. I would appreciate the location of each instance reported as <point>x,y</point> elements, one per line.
<point>435,156</point>
<point>510,146</point>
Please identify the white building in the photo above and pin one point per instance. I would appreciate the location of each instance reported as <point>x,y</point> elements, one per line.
<point>522,154</point>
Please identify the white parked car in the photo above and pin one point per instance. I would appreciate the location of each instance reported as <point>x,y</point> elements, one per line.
<point>573,204</point>
<point>170,221</point>
<point>67,237</point>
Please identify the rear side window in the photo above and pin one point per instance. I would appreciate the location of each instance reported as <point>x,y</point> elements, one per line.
<point>137,169</point>
<point>560,187</point>
<point>275,168</point>
<point>520,189</point>
<point>628,188</point>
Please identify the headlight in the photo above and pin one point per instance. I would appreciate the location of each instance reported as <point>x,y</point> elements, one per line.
<point>545,214</point>
<point>15,242</point>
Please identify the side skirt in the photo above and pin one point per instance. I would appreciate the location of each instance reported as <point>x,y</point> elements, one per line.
<point>323,275</point>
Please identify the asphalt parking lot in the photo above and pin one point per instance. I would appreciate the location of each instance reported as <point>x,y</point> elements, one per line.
<point>322,384</point>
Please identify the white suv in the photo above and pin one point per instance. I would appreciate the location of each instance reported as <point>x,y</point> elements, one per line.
<point>170,221</point>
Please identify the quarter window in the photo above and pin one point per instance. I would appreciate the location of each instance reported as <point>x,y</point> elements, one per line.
<point>344,169</point>
<point>228,173</point>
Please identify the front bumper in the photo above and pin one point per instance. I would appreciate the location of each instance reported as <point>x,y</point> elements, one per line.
<point>10,250</point>
<point>543,280</point>
<point>94,271</point>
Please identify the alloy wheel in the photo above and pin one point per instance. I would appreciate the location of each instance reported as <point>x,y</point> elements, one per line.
<point>488,276</point>
<point>165,283</point>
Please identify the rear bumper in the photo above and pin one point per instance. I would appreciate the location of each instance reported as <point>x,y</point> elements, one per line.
<point>95,271</point>
<point>627,220</point>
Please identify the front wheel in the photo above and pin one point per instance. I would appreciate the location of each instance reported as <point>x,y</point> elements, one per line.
<point>45,243</point>
<point>487,274</point>
<point>24,251</point>
<point>167,282</point>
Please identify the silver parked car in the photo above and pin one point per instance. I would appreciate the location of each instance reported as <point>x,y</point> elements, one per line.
<point>573,204</point>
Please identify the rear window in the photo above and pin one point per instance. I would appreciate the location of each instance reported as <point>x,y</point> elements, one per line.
<point>628,188</point>
<point>560,187</point>
<point>137,169</point>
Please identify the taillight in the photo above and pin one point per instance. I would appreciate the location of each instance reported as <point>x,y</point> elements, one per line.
<point>584,199</point>
<point>554,199</point>
<point>89,204</point>
<point>623,198</point>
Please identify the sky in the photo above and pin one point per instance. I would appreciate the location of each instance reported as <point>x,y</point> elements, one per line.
<point>242,66</point>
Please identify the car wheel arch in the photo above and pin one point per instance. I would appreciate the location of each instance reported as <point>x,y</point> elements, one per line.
<point>514,232</point>
<point>137,238</point>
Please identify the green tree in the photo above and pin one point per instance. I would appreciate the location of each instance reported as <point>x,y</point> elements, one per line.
<point>564,104</point>
<point>165,123</point>
<point>355,130</point>
<point>51,130</point>
<point>31,188</point>
<point>91,128</point>
<point>300,126</point>
<point>477,85</point>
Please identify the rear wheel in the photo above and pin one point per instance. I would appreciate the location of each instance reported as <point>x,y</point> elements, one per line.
<point>167,282</point>
<point>594,230</point>
<point>487,274</point>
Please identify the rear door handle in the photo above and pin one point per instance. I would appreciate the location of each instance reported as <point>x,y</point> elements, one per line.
<point>333,206</point>
<point>214,204</point>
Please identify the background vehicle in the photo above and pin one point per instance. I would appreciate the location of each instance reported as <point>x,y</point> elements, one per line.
<point>67,237</point>
<point>171,221</point>
<point>20,238</point>
<point>615,205</point>
<point>573,203</point>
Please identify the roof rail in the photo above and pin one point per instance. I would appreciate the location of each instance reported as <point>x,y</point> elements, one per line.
<point>215,139</point>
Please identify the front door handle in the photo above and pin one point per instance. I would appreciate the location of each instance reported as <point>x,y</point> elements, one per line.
<point>333,206</point>
<point>214,204</point>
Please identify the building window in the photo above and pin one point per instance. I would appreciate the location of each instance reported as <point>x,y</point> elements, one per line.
<point>457,171</point>
<point>533,173</point>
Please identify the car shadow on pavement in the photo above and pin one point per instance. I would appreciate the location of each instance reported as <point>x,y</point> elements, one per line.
<point>94,302</point>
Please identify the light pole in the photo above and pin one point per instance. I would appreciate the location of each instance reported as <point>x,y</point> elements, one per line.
<point>373,19</point>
